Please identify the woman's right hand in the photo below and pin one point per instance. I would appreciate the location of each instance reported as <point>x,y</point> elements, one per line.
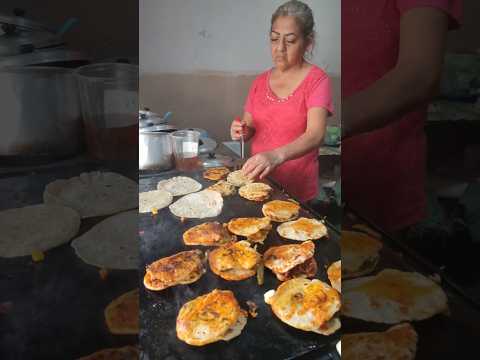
<point>237,129</point>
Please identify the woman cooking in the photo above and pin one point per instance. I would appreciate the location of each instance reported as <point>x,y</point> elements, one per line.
<point>287,107</point>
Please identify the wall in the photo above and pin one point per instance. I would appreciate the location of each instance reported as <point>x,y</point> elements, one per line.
<point>198,58</point>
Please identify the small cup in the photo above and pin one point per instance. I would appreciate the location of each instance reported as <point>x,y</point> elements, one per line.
<point>185,149</point>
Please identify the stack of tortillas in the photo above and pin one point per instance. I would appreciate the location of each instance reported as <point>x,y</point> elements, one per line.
<point>179,185</point>
<point>94,193</point>
<point>36,228</point>
<point>199,205</point>
<point>112,243</point>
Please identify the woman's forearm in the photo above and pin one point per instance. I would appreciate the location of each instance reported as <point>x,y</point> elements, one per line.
<point>397,93</point>
<point>299,147</point>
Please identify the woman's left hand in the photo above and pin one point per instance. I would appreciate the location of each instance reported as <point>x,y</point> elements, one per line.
<point>262,164</point>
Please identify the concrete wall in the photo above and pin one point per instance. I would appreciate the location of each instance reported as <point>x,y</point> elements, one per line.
<point>198,58</point>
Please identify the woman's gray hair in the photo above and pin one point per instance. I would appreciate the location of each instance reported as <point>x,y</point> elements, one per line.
<point>302,14</point>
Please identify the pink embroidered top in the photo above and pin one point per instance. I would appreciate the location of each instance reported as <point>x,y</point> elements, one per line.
<point>280,121</point>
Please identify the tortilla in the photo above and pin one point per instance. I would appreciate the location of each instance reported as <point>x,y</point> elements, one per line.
<point>156,199</point>
<point>393,296</point>
<point>36,228</point>
<point>122,353</point>
<point>302,229</point>
<point>216,174</point>
<point>360,253</point>
<point>209,318</point>
<point>179,185</point>
<point>94,193</point>
<point>255,191</point>
<point>334,273</point>
<point>397,343</point>
<point>248,226</point>
<point>112,243</point>
<point>203,204</point>
<point>280,210</point>
<point>308,305</point>
<point>121,315</point>
<point>223,187</point>
<point>237,178</point>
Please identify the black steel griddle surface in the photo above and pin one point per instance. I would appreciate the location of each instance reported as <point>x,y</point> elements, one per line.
<point>264,337</point>
<point>444,336</point>
<point>58,304</point>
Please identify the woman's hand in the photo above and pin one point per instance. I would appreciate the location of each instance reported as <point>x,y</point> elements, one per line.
<point>237,129</point>
<point>262,164</point>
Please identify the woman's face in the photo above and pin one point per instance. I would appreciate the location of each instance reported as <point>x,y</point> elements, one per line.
<point>287,43</point>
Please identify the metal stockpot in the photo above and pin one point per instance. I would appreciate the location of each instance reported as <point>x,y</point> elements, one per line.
<point>155,148</point>
<point>40,112</point>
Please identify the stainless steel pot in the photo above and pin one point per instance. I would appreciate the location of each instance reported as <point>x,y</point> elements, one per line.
<point>155,148</point>
<point>40,112</point>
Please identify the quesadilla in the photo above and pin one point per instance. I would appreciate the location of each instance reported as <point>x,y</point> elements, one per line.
<point>208,234</point>
<point>289,261</point>
<point>121,315</point>
<point>397,343</point>
<point>280,210</point>
<point>184,267</point>
<point>234,261</point>
<point>211,317</point>
<point>308,305</point>
<point>255,191</point>
<point>360,253</point>
<point>393,296</point>
<point>216,173</point>
<point>236,178</point>
<point>302,229</point>
<point>248,226</point>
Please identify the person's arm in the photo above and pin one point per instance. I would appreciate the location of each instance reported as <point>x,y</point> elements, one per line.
<point>413,81</point>
<point>260,165</point>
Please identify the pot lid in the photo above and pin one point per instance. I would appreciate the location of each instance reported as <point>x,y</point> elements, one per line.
<point>157,128</point>
<point>19,21</point>
<point>22,35</point>
<point>206,145</point>
<point>42,57</point>
<point>215,160</point>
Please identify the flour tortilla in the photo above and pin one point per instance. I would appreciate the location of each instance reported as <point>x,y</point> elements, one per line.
<point>203,204</point>
<point>111,244</point>
<point>94,193</point>
<point>157,199</point>
<point>36,228</point>
<point>179,185</point>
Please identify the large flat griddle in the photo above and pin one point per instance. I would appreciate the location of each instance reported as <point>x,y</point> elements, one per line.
<point>264,337</point>
<point>440,337</point>
<point>58,304</point>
